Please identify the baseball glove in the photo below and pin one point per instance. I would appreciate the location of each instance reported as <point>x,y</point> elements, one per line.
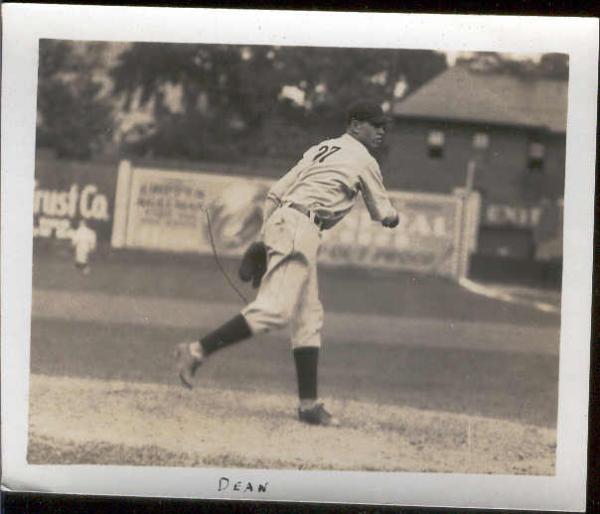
<point>254,263</point>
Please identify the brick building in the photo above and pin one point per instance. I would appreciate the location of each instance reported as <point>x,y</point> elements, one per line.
<point>515,129</point>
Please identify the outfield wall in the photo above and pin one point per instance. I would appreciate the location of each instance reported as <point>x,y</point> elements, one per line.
<point>67,190</point>
<point>165,210</point>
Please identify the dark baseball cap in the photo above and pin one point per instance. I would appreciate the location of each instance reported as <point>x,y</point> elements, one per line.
<point>367,110</point>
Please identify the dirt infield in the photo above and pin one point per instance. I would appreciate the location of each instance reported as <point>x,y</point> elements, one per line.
<point>84,421</point>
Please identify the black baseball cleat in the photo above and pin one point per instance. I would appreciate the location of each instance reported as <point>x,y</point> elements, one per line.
<point>317,415</point>
<point>188,361</point>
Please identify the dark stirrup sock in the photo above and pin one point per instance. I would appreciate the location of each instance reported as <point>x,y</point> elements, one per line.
<point>307,361</point>
<point>231,332</point>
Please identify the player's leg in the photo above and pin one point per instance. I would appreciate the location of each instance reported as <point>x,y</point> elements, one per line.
<point>290,239</point>
<point>306,340</point>
<point>191,355</point>
<point>306,343</point>
<point>276,299</point>
<point>82,266</point>
<point>270,310</point>
<point>82,260</point>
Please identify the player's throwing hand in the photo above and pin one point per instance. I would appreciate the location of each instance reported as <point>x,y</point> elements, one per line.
<point>391,221</point>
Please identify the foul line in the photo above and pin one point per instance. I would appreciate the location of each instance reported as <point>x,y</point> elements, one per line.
<point>498,294</point>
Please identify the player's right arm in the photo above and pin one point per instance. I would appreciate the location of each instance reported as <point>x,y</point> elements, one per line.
<point>376,198</point>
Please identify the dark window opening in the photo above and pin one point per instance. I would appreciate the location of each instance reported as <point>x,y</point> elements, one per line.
<point>435,144</point>
<point>535,157</point>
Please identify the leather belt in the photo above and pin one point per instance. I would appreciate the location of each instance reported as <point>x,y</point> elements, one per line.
<point>307,212</point>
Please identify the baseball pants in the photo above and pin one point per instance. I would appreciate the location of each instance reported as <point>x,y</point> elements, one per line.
<point>289,292</point>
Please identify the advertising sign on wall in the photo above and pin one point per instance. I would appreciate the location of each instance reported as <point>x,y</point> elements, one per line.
<point>163,210</point>
<point>168,211</point>
<point>542,223</point>
<point>67,190</point>
<point>55,210</point>
<point>424,241</point>
<point>511,215</point>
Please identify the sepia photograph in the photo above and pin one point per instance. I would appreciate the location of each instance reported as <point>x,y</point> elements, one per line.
<point>344,259</point>
<point>424,321</point>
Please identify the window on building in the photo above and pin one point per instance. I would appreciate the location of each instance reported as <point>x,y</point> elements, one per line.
<point>535,157</point>
<point>481,141</point>
<point>435,144</point>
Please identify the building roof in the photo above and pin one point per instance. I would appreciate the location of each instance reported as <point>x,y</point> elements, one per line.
<point>461,94</point>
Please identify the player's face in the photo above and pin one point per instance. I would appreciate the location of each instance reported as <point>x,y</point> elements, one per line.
<point>370,135</point>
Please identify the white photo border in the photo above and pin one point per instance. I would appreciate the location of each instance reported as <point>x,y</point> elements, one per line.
<point>25,24</point>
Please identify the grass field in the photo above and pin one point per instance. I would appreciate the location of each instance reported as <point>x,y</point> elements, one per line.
<point>424,375</point>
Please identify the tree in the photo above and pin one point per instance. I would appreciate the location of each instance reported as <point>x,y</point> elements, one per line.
<point>548,66</point>
<point>224,93</point>
<point>233,98</point>
<point>74,119</point>
<point>555,66</point>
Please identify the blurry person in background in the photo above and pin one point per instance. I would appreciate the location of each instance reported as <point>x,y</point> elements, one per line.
<point>84,241</point>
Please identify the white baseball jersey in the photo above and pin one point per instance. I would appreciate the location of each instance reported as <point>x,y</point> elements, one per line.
<point>327,181</point>
<point>84,241</point>
<point>328,178</point>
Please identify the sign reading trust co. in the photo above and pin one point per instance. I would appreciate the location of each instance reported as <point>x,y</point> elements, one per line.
<point>54,209</point>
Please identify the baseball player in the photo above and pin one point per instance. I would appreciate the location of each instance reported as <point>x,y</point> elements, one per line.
<point>313,196</point>
<point>84,240</point>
